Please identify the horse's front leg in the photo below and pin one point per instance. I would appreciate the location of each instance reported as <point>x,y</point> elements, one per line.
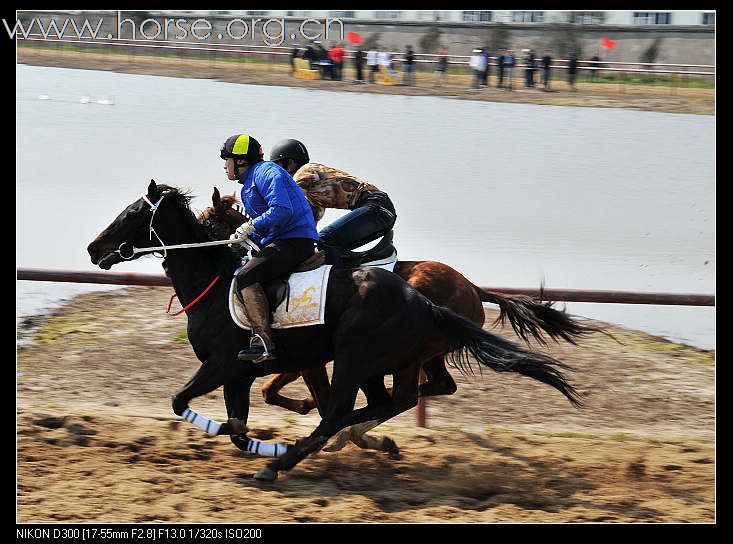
<point>236,399</point>
<point>211,375</point>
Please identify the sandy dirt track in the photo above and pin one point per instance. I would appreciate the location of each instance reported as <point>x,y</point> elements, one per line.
<point>98,442</point>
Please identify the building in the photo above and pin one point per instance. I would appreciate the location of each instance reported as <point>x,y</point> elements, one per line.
<point>641,18</point>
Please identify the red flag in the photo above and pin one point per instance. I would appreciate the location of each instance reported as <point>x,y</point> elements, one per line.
<point>353,37</point>
<point>608,44</point>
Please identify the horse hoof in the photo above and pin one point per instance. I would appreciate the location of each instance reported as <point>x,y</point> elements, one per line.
<point>266,475</point>
<point>237,426</point>
<point>390,446</point>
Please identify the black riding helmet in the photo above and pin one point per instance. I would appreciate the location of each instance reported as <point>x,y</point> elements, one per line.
<point>289,149</point>
<point>241,147</point>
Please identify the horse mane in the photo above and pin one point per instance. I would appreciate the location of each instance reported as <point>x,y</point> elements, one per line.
<point>204,232</point>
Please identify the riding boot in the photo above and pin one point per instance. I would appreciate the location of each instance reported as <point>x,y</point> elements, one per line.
<point>257,309</point>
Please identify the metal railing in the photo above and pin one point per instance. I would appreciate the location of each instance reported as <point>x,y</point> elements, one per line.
<point>397,56</point>
<point>566,295</point>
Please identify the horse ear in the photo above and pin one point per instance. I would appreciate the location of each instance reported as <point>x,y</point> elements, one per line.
<point>216,198</point>
<point>153,190</point>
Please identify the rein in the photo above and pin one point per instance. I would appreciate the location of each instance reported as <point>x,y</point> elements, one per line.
<point>168,310</point>
<point>246,242</point>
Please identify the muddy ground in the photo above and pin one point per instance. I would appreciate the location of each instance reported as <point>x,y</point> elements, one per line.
<point>97,440</point>
<point>675,99</point>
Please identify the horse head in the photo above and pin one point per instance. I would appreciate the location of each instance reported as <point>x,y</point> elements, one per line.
<point>223,216</point>
<point>133,228</point>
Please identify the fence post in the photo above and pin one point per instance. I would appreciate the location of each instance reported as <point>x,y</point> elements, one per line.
<point>421,407</point>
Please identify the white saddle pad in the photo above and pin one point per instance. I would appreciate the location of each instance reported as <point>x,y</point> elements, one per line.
<point>305,305</point>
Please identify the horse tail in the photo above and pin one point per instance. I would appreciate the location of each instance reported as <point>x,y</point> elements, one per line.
<point>532,317</point>
<point>464,338</point>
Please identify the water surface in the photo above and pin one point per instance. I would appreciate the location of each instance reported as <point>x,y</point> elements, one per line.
<point>509,194</point>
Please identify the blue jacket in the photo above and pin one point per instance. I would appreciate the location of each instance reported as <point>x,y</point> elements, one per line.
<point>276,204</point>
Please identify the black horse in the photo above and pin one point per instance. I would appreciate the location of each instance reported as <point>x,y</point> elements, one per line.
<point>375,325</point>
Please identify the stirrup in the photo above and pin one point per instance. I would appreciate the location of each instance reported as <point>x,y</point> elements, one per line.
<point>256,354</point>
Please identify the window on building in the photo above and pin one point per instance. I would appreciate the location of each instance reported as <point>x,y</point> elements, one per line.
<point>257,13</point>
<point>387,14</point>
<point>708,18</point>
<point>432,15</point>
<point>587,17</point>
<point>476,16</point>
<point>341,14</point>
<point>650,18</point>
<point>528,16</point>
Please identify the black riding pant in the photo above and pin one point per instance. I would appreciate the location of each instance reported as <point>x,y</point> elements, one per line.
<point>275,260</point>
<point>371,219</point>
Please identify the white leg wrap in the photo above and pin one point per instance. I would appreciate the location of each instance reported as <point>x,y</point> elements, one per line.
<point>204,423</point>
<point>265,449</point>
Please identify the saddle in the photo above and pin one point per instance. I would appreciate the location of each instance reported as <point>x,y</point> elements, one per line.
<point>297,300</point>
<point>383,253</point>
<point>278,290</point>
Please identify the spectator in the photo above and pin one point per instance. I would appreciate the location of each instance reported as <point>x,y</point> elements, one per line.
<point>546,62</point>
<point>324,63</point>
<point>500,71</point>
<point>337,57</point>
<point>358,63</point>
<point>572,70</point>
<point>478,65</point>
<point>372,64</point>
<point>441,68</point>
<point>409,75</point>
<point>294,54</point>
<point>530,69</point>
<point>487,58</point>
<point>310,54</point>
<point>384,58</point>
<point>509,63</point>
<point>594,67</point>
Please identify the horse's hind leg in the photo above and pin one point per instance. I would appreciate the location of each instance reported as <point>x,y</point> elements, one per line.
<point>376,393</point>
<point>404,397</point>
<point>342,401</point>
<point>271,394</point>
<point>345,386</point>
<point>341,414</point>
<point>439,381</point>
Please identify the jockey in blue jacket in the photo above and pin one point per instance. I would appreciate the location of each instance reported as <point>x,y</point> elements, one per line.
<point>282,224</point>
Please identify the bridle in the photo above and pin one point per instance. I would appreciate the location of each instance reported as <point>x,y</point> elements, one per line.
<point>130,254</point>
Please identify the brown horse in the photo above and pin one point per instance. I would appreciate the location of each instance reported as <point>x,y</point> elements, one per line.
<point>443,286</point>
